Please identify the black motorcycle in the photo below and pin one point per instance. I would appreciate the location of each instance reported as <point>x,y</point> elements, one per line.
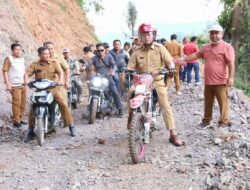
<point>47,113</point>
<point>101,101</point>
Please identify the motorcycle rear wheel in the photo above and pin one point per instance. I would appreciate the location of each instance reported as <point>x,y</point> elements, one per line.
<point>137,147</point>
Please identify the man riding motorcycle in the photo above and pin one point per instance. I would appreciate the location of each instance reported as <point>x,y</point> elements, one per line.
<point>74,70</point>
<point>105,65</point>
<point>151,57</point>
<point>49,69</point>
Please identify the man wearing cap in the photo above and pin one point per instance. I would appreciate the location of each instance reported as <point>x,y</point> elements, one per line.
<point>219,75</point>
<point>74,70</point>
<point>106,47</point>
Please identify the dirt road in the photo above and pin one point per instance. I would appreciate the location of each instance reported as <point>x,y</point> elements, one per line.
<point>212,158</point>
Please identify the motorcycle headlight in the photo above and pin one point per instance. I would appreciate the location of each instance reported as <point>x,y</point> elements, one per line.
<point>140,89</point>
<point>47,99</point>
<point>97,82</point>
<point>105,82</point>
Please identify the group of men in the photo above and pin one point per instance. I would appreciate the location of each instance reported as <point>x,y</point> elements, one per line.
<point>145,55</point>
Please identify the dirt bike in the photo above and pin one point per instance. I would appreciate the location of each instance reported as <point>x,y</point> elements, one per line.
<point>43,106</point>
<point>143,122</point>
<point>101,100</point>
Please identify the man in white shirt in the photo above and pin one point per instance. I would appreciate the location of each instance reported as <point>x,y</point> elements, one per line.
<point>13,72</point>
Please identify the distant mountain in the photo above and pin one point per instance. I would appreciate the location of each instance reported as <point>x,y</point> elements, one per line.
<point>164,30</point>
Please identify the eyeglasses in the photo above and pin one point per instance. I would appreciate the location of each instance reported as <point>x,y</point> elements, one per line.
<point>100,50</point>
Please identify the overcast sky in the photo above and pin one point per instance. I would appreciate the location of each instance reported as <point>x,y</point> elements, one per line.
<point>157,12</point>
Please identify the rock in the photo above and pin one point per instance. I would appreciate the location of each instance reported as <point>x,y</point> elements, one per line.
<point>65,153</point>
<point>208,180</point>
<point>225,177</point>
<point>43,188</point>
<point>239,167</point>
<point>243,121</point>
<point>101,141</point>
<point>217,141</point>
<point>76,186</point>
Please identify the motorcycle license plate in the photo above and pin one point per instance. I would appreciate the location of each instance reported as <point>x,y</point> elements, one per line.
<point>41,93</point>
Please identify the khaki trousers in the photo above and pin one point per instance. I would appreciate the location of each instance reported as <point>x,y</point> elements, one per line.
<point>63,106</point>
<point>163,102</point>
<point>176,76</point>
<point>122,81</point>
<point>220,92</point>
<point>18,103</point>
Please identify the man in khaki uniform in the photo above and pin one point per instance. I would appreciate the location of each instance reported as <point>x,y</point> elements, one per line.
<point>13,71</point>
<point>175,50</point>
<point>63,64</point>
<point>153,57</point>
<point>49,69</point>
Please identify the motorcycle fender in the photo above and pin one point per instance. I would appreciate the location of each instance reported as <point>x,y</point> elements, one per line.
<point>137,101</point>
<point>40,112</point>
<point>97,97</point>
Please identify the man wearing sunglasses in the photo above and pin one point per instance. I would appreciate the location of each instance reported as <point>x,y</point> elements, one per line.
<point>105,66</point>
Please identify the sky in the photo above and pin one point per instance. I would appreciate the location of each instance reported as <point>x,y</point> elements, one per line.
<point>183,16</point>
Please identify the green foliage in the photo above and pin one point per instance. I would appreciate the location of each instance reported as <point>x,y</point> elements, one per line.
<point>81,3</point>
<point>131,17</point>
<point>226,18</point>
<point>88,5</point>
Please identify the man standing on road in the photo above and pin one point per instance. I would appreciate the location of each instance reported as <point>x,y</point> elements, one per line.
<point>189,49</point>
<point>121,59</point>
<point>49,69</point>
<point>74,70</point>
<point>105,66</point>
<point>151,58</point>
<point>13,72</point>
<point>175,50</point>
<point>219,75</point>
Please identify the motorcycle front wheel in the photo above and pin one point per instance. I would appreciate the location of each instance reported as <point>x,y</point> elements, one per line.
<point>93,110</point>
<point>40,126</point>
<point>137,147</point>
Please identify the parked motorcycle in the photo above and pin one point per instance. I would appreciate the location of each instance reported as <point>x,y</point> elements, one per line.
<point>143,122</point>
<point>73,93</point>
<point>100,100</point>
<point>44,107</point>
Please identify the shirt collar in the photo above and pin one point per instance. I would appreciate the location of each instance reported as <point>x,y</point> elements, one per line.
<point>151,47</point>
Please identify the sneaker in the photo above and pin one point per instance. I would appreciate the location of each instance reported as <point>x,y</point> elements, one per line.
<point>178,93</point>
<point>120,114</point>
<point>72,130</point>
<point>31,136</point>
<point>197,83</point>
<point>24,122</point>
<point>17,125</point>
<point>205,124</point>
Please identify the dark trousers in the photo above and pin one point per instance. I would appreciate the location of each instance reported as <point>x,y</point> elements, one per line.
<point>113,89</point>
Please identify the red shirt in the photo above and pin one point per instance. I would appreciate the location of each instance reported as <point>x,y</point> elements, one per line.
<point>217,59</point>
<point>189,49</point>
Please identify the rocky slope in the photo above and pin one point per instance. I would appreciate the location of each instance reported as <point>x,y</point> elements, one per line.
<point>33,22</point>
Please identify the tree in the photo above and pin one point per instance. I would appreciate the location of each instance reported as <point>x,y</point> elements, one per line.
<point>131,17</point>
<point>87,5</point>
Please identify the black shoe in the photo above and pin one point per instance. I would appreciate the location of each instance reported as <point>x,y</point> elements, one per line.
<point>31,136</point>
<point>24,122</point>
<point>17,125</point>
<point>120,114</point>
<point>72,130</point>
